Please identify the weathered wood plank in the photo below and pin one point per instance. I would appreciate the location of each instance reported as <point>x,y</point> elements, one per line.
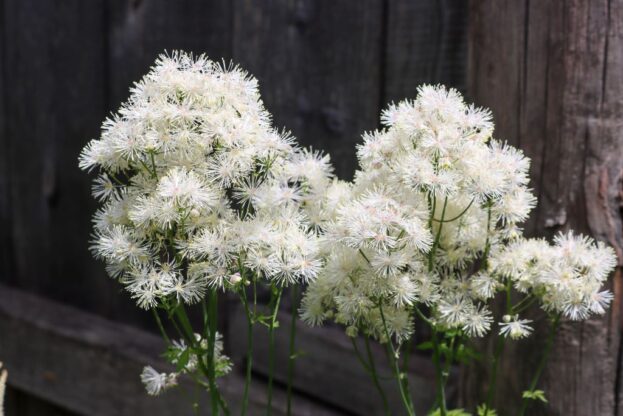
<point>140,30</point>
<point>90,365</point>
<point>426,43</point>
<point>319,67</point>
<point>328,368</point>
<point>19,403</point>
<point>54,101</point>
<point>551,72</point>
<point>6,260</point>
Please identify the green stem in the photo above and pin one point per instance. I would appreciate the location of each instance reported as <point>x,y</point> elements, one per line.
<point>391,352</point>
<point>458,216</point>
<point>161,327</point>
<point>523,305</point>
<point>497,353</point>
<point>439,378</point>
<point>247,383</point>
<point>499,347</point>
<point>187,333</point>
<point>212,310</point>
<point>292,347</point>
<point>271,357</point>
<point>537,375</point>
<point>485,256</point>
<point>431,254</point>
<point>446,371</point>
<point>375,378</point>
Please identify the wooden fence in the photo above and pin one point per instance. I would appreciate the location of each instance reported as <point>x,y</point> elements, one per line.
<point>71,339</point>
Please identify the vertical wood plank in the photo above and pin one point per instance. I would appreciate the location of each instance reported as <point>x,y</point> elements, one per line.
<point>140,30</point>
<point>551,72</point>
<point>54,100</point>
<point>426,43</point>
<point>6,258</point>
<point>319,67</point>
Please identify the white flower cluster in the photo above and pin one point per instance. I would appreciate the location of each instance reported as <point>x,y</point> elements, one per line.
<point>434,199</point>
<point>194,180</point>
<point>567,277</point>
<point>186,362</point>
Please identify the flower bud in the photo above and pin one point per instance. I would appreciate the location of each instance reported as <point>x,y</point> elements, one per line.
<point>235,278</point>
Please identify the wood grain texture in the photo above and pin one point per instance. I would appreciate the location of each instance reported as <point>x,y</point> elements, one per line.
<point>551,72</point>
<point>319,65</point>
<point>425,43</point>
<point>140,30</point>
<point>91,366</point>
<point>51,72</point>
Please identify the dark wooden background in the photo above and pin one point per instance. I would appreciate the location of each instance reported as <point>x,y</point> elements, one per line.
<point>326,69</point>
<point>550,70</point>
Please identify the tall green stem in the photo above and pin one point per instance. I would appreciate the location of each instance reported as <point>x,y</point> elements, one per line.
<point>208,371</point>
<point>375,378</point>
<point>537,375</point>
<point>161,327</point>
<point>370,369</point>
<point>497,353</point>
<point>431,254</point>
<point>211,347</point>
<point>292,347</point>
<point>393,358</point>
<point>247,382</point>
<point>499,347</point>
<point>271,357</point>
<point>439,378</point>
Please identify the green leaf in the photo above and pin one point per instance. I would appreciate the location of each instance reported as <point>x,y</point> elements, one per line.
<point>535,395</point>
<point>427,345</point>
<point>483,410</point>
<point>182,359</point>
<point>453,412</point>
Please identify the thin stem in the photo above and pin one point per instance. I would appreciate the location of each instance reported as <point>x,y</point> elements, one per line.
<point>292,348</point>
<point>212,311</point>
<point>537,375</point>
<point>485,256</point>
<point>161,327</point>
<point>431,254</point>
<point>374,374</point>
<point>423,317</point>
<point>499,347</point>
<point>446,371</point>
<point>497,353</point>
<point>391,352</point>
<point>153,164</point>
<point>271,357</point>
<point>247,383</point>
<point>187,333</point>
<point>523,305</point>
<point>439,378</point>
<point>362,361</point>
<point>457,217</point>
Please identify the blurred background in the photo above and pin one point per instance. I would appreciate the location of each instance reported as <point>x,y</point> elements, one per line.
<point>74,344</point>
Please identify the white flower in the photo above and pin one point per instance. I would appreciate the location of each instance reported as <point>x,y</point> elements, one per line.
<point>515,328</point>
<point>155,382</point>
<point>477,322</point>
<point>118,244</point>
